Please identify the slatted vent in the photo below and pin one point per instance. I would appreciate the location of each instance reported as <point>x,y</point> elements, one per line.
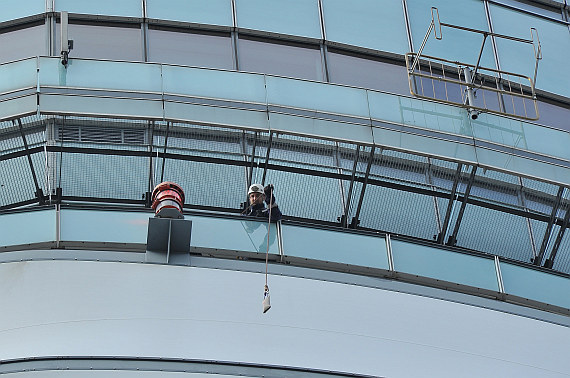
<point>90,134</point>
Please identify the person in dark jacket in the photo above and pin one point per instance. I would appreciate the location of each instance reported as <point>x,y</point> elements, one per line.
<point>261,200</point>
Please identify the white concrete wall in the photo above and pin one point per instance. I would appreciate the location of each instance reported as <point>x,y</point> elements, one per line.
<point>77,308</point>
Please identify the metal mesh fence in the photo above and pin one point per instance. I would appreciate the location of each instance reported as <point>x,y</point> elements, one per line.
<point>207,184</point>
<point>495,232</point>
<point>102,176</point>
<point>16,183</point>
<point>98,158</point>
<point>398,212</point>
<point>306,196</point>
<point>562,260</point>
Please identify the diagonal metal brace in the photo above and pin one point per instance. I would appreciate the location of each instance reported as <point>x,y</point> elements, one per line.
<point>355,221</point>
<point>555,207</point>
<point>441,236</point>
<point>39,193</point>
<point>549,263</point>
<point>453,238</point>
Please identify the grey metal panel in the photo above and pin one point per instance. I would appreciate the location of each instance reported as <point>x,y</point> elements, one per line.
<point>214,115</point>
<point>527,167</point>
<point>18,106</point>
<point>320,127</point>
<point>119,374</point>
<point>112,309</point>
<point>100,106</point>
<point>424,145</point>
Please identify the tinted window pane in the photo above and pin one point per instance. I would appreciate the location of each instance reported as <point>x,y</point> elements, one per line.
<point>104,42</point>
<point>22,43</point>
<point>190,49</point>
<point>280,59</point>
<point>553,115</point>
<point>367,73</point>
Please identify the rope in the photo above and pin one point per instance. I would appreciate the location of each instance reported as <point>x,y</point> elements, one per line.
<point>268,230</point>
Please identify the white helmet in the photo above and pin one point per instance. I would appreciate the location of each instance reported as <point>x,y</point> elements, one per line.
<point>256,188</point>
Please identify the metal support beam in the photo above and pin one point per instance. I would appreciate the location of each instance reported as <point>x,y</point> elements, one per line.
<point>453,238</point>
<point>39,193</point>
<point>347,203</point>
<point>150,165</point>
<point>267,157</point>
<point>549,263</point>
<point>441,236</point>
<point>164,155</point>
<point>252,160</point>
<point>355,220</point>
<point>552,219</point>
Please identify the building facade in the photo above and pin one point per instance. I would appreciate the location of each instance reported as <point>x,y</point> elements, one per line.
<point>419,152</point>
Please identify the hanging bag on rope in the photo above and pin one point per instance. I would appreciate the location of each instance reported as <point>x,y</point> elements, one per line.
<point>266,300</point>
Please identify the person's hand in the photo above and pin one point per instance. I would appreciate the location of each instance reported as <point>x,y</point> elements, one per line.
<point>269,197</point>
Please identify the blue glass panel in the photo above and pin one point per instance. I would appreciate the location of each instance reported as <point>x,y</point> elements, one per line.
<point>423,144</point>
<point>101,75</point>
<point>444,265</point>
<point>429,115</point>
<point>536,8</point>
<point>13,9</point>
<point>104,226</point>
<point>214,115</point>
<point>523,135</point>
<point>30,227</point>
<point>536,285</point>
<point>18,75</point>
<point>233,234</point>
<point>320,127</point>
<point>211,12</point>
<point>123,8</point>
<point>372,24</point>
<point>339,247</point>
<point>456,45</point>
<point>530,167</point>
<point>519,57</point>
<point>317,96</point>
<point>295,17</point>
<point>214,84</point>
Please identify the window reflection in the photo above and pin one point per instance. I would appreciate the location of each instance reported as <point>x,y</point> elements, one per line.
<point>202,49</point>
<point>23,42</point>
<point>279,58</point>
<point>104,40</point>
<point>373,73</point>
